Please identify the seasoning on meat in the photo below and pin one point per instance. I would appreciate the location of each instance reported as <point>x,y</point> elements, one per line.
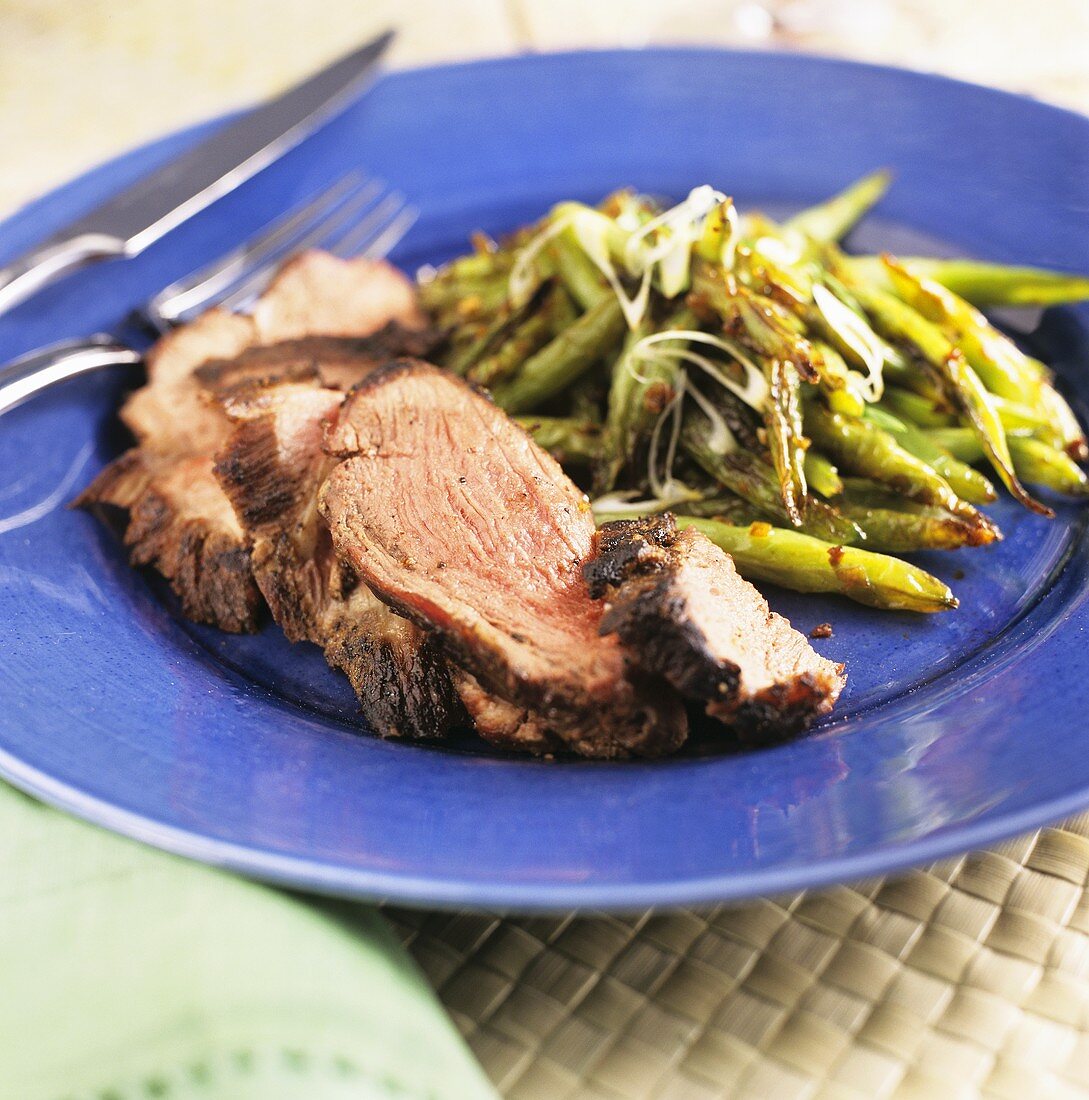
<point>680,606</point>
<point>451,514</point>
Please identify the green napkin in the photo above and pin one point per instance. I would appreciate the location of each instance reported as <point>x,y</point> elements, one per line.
<point>126,973</point>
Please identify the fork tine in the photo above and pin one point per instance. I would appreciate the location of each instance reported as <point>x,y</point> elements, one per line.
<point>377,234</point>
<point>331,228</point>
<point>207,285</point>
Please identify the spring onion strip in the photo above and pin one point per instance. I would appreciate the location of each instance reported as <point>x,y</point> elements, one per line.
<point>661,487</point>
<point>858,336</point>
<point>729,246</point>
<point>721,441</point>
<point>658,251</point>
<point>754,392</point>
<point>523,278</point>
<point>666,241</point>
<point>624,502</point>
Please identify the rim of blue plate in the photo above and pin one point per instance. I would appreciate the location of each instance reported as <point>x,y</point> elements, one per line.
<point>325,876</point>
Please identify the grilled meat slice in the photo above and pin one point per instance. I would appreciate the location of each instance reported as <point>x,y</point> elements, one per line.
<point>318,294</point>
<point>170,414</point>
<point>339,361</point>
<point>398,673</point>
<point>179,521</point>
<point>503,724</point>
<point>271,469</point>
<point>451,514</point>
<point>679,604</point>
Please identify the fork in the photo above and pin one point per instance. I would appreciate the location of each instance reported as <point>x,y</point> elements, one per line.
<point>353,217</point>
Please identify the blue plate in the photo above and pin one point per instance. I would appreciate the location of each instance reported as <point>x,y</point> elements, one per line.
<point>955,730</point>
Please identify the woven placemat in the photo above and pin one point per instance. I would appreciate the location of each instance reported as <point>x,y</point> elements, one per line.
<point>969,978</point>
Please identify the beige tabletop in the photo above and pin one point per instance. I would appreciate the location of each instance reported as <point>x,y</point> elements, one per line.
<point>969,978</point>
<point>81,80</point>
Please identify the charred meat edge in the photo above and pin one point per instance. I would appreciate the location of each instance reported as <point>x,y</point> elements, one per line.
<point>597,711</point>
<point>271,470</point>
<point>638,569</point>
<point>189,537</point>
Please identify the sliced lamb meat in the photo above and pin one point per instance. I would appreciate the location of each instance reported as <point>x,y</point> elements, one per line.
<point>271,469</point>
<point>339,361</point>
<point>451,514</point>
<point>678,603</point>
<point>317,294</point>
<point>178,521</point>
<point>503,724</point>
<point>179,425</point>
<point>181,524</point>
<point>171,414</point>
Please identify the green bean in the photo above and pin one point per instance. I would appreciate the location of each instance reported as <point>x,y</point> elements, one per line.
<point>919,409</point>
<point>910,373</point>
<point>576,270</point>
<point>567,439</point>
<point>585,396</point>
<point>487,339</point>
<point>730,509</point>
<point>898,320</point>
<point>638,391</point>
<point>462,357</point>
<point>765,326</point>
<point>931,410</point>
<point>961,442</point>
<point>754,480</point>
<point>822,474</point>
<point>839,387</point>
<point>785,358</point>
<point>767,329</point>
<point>469,285</point>
<point>986,284</point>
<point>1016,416</point>
<point>1021,385</point>
<point>1036,462</point>
<point>564,358</point>
<point>898,532</point>
<point>475,267</point>
<point>791,287</point>
<point>460,300</point>
<point>786,441</point>
<point>868,450</point>
<point>1065,423</point>
<point>806,564</point>
<point>539,325</point>
<point>864,490</point>
<point>967,483</point>
<point>887,526</point>
<point>993,356</point>
<point>833,219</point>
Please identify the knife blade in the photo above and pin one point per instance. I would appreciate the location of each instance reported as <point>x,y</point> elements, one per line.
<point>123,226</point>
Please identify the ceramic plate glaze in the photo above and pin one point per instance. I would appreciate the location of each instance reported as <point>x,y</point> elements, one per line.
<point>955,729</point>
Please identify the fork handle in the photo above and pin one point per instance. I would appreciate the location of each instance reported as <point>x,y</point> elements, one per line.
<point>27,274</point>
<point>40,369</point>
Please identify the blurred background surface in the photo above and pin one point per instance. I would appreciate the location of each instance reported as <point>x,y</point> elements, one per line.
<point>82,80</point>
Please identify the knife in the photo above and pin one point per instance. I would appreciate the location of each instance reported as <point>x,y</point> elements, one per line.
<point>123,226</point>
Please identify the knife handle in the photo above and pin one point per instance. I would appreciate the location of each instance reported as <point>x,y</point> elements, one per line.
<point>27,274</point>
